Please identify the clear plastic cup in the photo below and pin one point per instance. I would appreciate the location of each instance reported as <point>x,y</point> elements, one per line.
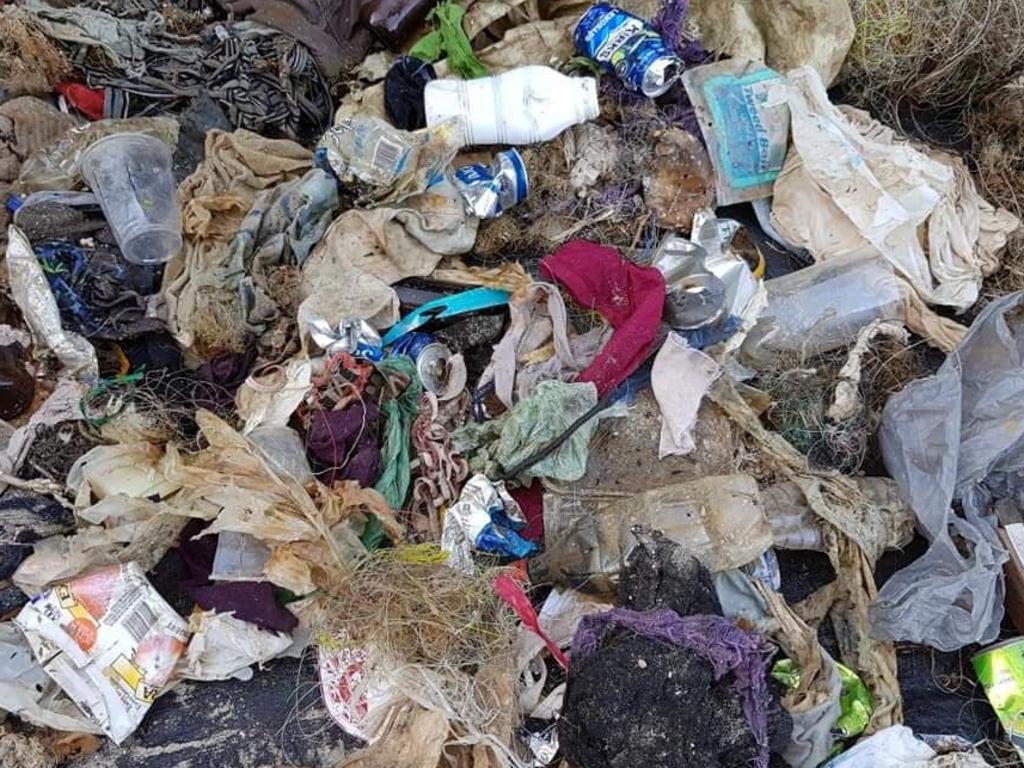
<point>130,173</point>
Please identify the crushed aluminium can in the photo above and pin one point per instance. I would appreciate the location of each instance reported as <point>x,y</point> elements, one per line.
<point>629,47</point>
<point>1000,670</point>
<point>431,358</point>
<point>491,190</point>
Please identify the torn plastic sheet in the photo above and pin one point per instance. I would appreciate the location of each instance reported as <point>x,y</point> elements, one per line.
<point>31,292</point>
<point>135,470</point>
<point>957,436</point>
<point>109,640</point>
<point>559,618</point>
<point>239,557</point>
<point>28,692</point>
<point>271,396</point>
<point>718,520</point>
<point>224,647</point>
<point>232,483</point>
<point>855,532</point>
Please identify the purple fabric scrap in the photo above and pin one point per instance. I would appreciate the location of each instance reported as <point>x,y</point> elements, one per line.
<point>714,638</point>
<point>251,601</point>
<point>344,444</point>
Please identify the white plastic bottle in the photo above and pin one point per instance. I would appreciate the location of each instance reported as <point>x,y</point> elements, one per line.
<point>523,106</point>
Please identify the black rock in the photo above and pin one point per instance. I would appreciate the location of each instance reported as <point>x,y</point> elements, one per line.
<point>660,574</point>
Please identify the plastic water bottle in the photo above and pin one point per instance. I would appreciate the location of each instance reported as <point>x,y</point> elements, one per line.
<point>523,106</point>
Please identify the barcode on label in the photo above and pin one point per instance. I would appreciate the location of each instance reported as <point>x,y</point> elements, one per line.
<point>139,621</point>
<point>386,155</point>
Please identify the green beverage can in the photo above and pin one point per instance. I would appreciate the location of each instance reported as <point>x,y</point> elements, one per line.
<point>1000,670</point>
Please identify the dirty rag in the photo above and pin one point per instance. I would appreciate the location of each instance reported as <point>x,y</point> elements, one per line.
<point>449,39</point>
<point>537,316</point>
<point>251,601</point>
<point>349,273</point>
<point>852,186</point>
<point>680,378</point>
<point>403,92</point>
<point>494,446</point>
<point>344,443</point>
<point>629,297</point>
<point>400,409</point>
<point>329,28</point>
<point>215,200</point>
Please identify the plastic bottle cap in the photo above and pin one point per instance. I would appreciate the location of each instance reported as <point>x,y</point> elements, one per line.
<point>588,108</point>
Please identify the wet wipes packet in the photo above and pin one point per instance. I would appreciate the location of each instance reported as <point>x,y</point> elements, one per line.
<point>109,640</point>
<point>744,118</point>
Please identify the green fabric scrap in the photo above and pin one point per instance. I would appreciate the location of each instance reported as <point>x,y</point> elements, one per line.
<point>373,534</point>
<point>494,446</point>
<point>399,413</point>
<point>449,39</point>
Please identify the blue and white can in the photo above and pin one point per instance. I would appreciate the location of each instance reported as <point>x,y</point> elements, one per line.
<point>629,47</point>
<point>491,190</point>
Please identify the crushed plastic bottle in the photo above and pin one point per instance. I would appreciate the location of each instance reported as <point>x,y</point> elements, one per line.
<point>629,47</point>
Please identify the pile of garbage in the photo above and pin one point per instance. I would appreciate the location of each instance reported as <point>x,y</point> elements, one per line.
<point>506,363</point>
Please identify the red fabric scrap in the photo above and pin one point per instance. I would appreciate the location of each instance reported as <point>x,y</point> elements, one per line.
<point>629,297</point>
<point>531,501</point>
<point>88,101</point>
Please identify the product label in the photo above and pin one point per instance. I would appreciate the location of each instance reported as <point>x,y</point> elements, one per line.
<point>752,141</point>
<point>109,640</point>
<point>1000,671</point>
<point>623,44</point>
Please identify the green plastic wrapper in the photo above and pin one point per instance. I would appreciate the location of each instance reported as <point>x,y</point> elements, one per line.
<point>854,700</point>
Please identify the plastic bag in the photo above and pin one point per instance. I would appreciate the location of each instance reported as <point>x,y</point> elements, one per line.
<point>894,747</point>
<point>957,436</point>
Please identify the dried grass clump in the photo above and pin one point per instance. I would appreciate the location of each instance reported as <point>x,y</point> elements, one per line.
<point>801,396</point>
<point>998,154</point>
<point>415,610</point>
<point>29,62</point>
<point>932,54</point>
<point>217,323</point>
